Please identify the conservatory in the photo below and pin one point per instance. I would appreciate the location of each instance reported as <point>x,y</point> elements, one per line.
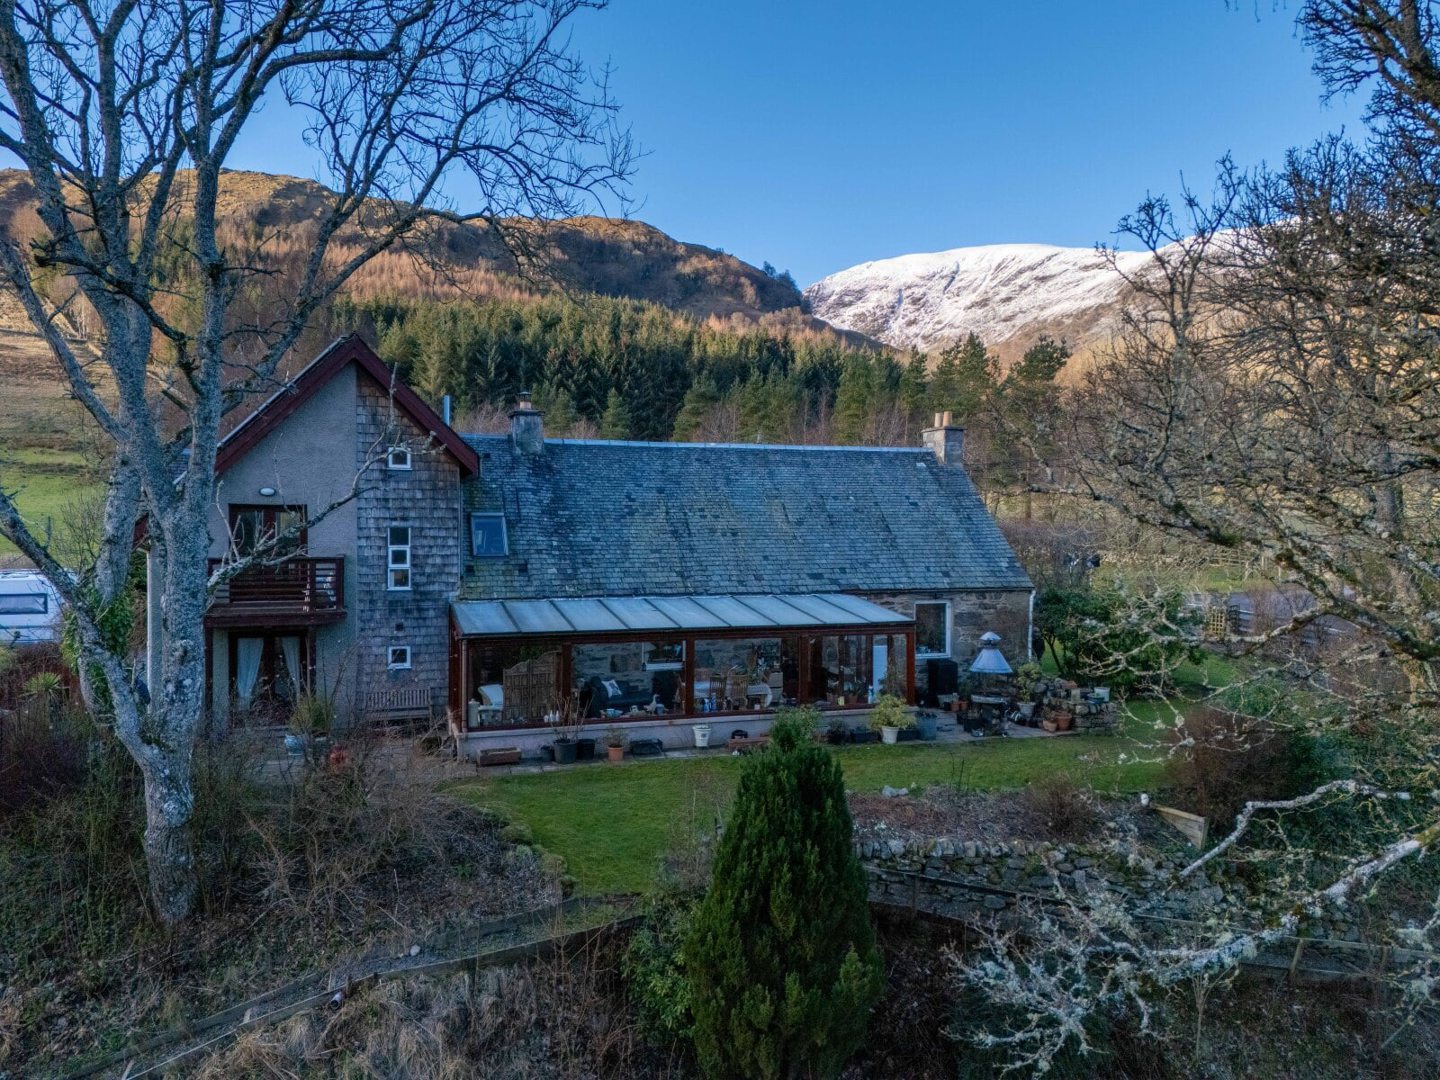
<point>518,663</point>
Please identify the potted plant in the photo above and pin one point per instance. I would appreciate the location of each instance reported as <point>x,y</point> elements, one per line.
<point>928,724</point>
<point>310,724</point>
<point>615,744</point>
<point>702,735</point>
<point>1027,681</point>
<point>835,731</point>
<point>889,715</point>
<point>567,728</point>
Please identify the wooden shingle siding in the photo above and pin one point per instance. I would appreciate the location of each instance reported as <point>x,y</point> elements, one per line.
<point>426,497</point>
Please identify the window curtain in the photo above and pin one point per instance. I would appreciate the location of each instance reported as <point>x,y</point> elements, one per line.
<point>290,648</point>
<point>247,667</point>
<point>879,668</point>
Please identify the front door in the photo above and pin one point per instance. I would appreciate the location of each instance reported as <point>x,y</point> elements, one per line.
<point>268,672</point>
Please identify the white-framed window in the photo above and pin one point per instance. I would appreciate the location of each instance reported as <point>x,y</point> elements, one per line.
<point>399,657</point>
<point>932,628</point>
<point>397,459</point>
<point>488,539</point>
<point>397,560</point>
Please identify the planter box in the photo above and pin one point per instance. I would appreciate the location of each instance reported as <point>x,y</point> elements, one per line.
<point>500,755</point>
<point>584,749</point>
<point>745,745</point>
<point>864,735</point>
<point>908,734</point>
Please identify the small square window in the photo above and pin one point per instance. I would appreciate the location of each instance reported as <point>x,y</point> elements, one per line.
<point>399,657</point>
<point>488,539</point>
<point>398,458</point>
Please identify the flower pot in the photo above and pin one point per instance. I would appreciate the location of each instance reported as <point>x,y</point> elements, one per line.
<point>1027,709</point>
<point>565,751</point>
<point>294,744</point>
<point>584,749</point>
<point>1062,722</point>
<point>702,734</point>
<point>928,727</point>
<point>615,753</point>
<point>889,735</point>
<point>909,734</point>
<point>837,738</point>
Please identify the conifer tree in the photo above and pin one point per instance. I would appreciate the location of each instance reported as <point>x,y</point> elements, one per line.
<point>781,955</point>
<point>914,389</point>
<point>700,401</point>
<point>615,423</point>
<point>854,400</point>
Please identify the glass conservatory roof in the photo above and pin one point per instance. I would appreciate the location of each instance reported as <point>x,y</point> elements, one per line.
<point>618,614</point>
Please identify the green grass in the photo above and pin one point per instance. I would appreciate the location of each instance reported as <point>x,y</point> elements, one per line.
<point>611,824</point>
<point>45,483</point>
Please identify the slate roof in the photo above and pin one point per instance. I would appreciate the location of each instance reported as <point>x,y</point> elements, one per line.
<point>590,518</point>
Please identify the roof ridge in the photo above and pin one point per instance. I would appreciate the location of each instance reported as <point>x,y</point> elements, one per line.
<point>658,445</point>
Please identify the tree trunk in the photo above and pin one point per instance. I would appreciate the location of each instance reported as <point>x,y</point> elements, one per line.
<point>169,847</point>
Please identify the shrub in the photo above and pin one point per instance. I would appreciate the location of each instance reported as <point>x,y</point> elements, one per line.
<point>1061,807</point>
<point>654,968</point>
<point>794,727</point>
<point>1234,758</point>
<point>781,958</point>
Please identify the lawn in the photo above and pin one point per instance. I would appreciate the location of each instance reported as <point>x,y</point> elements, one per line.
<point>611,823</point>
<point>47,484</point>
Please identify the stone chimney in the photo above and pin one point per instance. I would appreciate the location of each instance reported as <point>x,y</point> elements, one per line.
<point>945,440</point>
<point>527,430</point>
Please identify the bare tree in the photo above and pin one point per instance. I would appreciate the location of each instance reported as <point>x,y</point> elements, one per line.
<point>1276,391</point>
<point>123,114</point>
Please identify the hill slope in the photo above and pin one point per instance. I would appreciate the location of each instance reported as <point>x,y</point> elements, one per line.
<point>1008,294</point>
<point>609,256</point>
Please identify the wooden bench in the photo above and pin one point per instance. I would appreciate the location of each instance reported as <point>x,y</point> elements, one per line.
<point>398,705</point>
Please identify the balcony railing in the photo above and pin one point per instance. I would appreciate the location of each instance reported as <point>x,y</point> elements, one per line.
<point>299,590</point>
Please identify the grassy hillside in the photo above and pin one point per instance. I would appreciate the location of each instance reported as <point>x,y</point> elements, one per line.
<point>48,451</point>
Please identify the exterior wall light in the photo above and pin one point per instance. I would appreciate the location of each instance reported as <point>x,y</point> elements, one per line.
<point>267,492</point>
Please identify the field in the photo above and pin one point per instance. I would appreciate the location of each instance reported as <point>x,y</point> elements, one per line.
<point>611,824</point>
<point>48,454</point>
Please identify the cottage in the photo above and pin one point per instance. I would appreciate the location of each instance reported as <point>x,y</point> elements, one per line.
<point>500,576</point>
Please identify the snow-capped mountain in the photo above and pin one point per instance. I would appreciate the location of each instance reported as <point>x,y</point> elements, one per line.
<point>1009,294</point>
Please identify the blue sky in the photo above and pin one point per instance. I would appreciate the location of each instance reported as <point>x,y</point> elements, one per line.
<point>818,135</point>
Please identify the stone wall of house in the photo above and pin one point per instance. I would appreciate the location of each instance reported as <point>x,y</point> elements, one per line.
<point>1007,612</point>
<point>1000,875</point>
<point>425,497</point>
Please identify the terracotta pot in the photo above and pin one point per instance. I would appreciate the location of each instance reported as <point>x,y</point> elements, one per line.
<point>615,753</point>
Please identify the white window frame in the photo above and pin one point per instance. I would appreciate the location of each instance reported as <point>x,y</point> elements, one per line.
<point>949,632</point>
<point>479,515</point>
<point>399,665</point>
<point>406,563</point>
<point>402,466</point>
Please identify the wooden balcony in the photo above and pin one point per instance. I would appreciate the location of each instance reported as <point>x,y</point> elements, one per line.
<point>299,592</point>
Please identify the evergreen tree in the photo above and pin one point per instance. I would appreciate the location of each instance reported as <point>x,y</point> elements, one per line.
<point>963,380</point>
<point>914,392</point>
<point>700,401</point>
<point>781,956</point>
<point>558,407</point>
<point>854,400</point>
<point>615,423</point>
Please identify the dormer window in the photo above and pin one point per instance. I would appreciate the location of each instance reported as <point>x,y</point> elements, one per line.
<point>487,536</point>
<point>397,458</point>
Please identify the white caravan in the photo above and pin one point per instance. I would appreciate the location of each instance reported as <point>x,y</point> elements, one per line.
<point>29,608</point>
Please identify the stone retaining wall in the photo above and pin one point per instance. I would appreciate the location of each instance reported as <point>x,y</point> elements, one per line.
<point>1145,884</point>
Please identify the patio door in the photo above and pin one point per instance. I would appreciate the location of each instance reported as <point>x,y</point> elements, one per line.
<point>268,673</point>
<point>251,526</point>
